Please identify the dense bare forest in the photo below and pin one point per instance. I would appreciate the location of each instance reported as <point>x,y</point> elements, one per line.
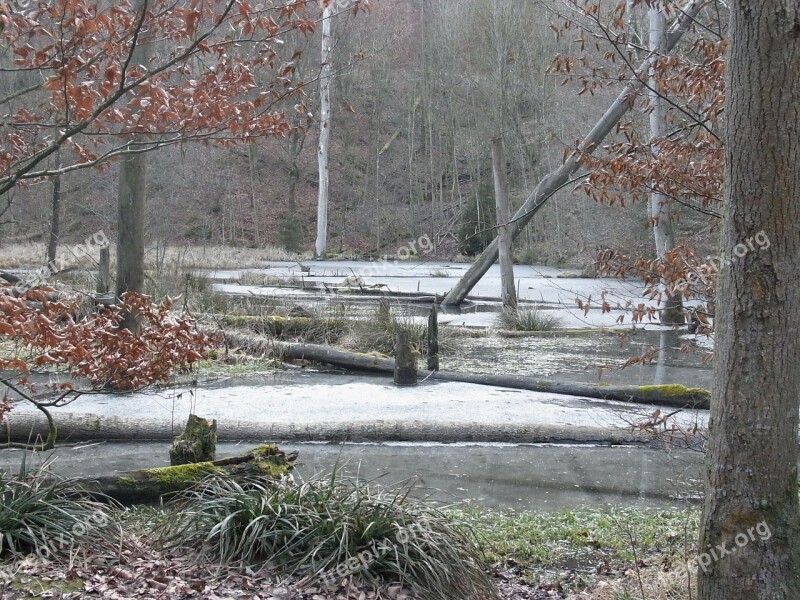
<point>420,89</point>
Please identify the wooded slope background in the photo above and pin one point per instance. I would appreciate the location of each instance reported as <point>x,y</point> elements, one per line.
<point>421,87</point>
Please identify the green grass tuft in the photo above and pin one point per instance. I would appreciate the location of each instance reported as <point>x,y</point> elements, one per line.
<point>42,513</point>
<point>332,527</point>
<point>526,318</point>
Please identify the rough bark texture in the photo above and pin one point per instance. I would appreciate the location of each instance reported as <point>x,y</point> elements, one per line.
<point>561,176</point>
<point>130,219</point>
<point>508,293</point>
<point>405,364</point>
<point>131,200</point>
<point>752,452</point>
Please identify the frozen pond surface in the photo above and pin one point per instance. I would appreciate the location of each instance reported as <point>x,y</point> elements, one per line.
<point>591,356</point>
<point>522,477</point>
<point>517,476</point>
<point>313,400</point>
<point>552,288</point>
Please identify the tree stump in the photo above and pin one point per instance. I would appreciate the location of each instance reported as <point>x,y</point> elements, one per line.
<point>433,339</point>
<point>405,360</point>
<point>197,443</point>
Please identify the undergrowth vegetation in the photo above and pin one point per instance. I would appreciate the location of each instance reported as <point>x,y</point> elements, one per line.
<point>43,514</point>
<point>527,318</point>
<point>330,527</point>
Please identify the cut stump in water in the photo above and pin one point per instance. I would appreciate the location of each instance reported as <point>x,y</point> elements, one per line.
<point>405,360</point>
<point>433,339</point>
<point>197,443</point>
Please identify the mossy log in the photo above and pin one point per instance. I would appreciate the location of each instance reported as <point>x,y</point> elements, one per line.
<point>673,395</point>
<point>150,485</point>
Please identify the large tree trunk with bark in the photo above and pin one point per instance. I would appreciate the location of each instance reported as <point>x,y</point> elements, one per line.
<point>557,179</point>
<point>131,199</point>
<point>753,452</point>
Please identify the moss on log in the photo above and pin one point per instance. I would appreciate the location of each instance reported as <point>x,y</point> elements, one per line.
<point>150,485</point>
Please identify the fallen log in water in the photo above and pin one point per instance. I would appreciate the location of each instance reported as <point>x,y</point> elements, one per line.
<point>80,427</point>
<point>149,485</point>
<point>673,395</point>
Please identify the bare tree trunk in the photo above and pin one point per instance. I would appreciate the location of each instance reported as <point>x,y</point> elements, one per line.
<point>750,517</point>
<point>509,294</point>
<point>671,306</point>
<point>251,161</point>
<point>104,272</point>
<point>55,212</point>
<point>324,136</point>
<point>561,176</point>
<point>130,223</point>
<point>131,199</point>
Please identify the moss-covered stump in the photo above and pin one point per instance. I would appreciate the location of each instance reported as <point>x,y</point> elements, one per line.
<point>197,443</point>
<point>150,485</point>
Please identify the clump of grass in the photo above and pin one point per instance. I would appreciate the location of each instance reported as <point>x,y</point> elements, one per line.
<point>527,318</point>
<point>328,323</point>
<point>195,290</point>
<point>377,333</point>
<point>318,324</point>
<point>50,516</point>
<point>312,529</point>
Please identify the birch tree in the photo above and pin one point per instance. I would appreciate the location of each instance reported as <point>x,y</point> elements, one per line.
<point>321,246</point>
<point>575,159</point>
<point>659,207</point>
